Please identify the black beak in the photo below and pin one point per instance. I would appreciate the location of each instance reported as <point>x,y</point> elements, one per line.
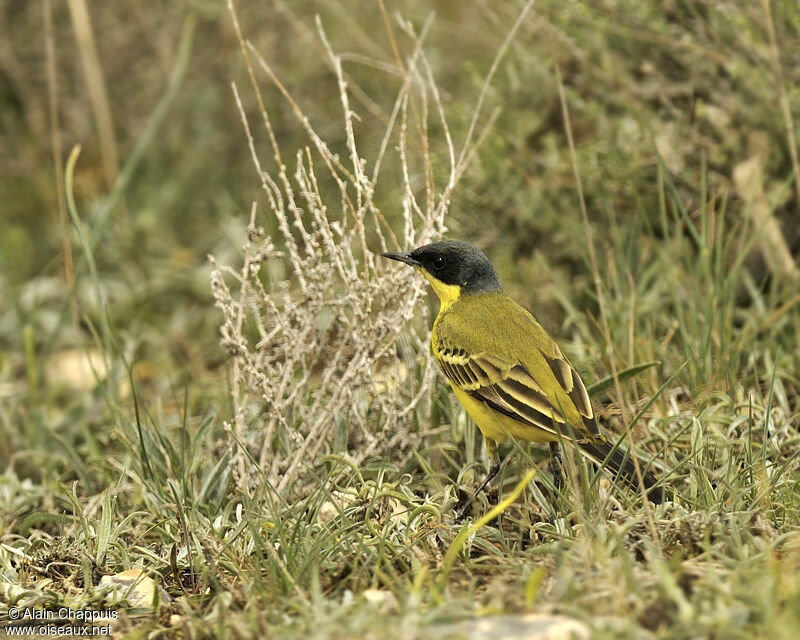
<point>402,257</point>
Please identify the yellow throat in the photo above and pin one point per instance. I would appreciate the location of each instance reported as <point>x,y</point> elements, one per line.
<point>447,293</point>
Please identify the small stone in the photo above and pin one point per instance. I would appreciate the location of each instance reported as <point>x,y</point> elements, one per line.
<point>379,597</point>
<point>531,626</point>
<point>135,586</point>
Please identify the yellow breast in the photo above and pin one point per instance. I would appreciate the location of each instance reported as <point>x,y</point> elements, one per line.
<point>498,426</point>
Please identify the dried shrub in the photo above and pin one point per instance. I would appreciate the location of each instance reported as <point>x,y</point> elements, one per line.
<point>314,351</point>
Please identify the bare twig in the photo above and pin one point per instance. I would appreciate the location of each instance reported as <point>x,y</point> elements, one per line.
<point>55,140</point>
<point>784,96</point>
<point>98,96</point>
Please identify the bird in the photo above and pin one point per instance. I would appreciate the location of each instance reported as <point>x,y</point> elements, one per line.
<point>507,372</point>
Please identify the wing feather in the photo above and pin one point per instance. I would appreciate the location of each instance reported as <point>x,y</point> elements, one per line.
<point>562,371</point>
<point>520,410</point>
<point>501,373</point>
<point>528,395</point>
<point>506,387</point>
<point>570,381</point>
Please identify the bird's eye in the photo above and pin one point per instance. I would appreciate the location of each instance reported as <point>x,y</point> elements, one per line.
<point>438,262</point>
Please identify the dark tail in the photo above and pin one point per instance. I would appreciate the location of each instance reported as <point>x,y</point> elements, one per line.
<point>622,465</point>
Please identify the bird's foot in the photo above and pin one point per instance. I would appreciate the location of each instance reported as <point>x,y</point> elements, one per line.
<point>556,466</point>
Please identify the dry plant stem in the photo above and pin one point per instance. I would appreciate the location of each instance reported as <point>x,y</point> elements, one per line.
<point>390,33</point>
<point>784,96</point>
<point>324,333</point>
<point>307,34</point>
<point>338,172</point>
<point>344,264</point>
<point>243,293</point>
<point>451,154</point>
<point>321,147</point>
<point>291,245</point>
<point>267,124</point>
<point>421,122</point>
<point>463,157</point>
<point>393,42</point>
<point>362,185</point>
<point>286,574</point>
<point>748,177</point>
<point>96,86</point>
<point>600,298</point>
<point>398,103</point>
<point>55,140</point>
<point>631,322</point>
<point>235,391</point>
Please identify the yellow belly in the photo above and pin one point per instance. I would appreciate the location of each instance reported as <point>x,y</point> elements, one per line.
<point>498,426</point>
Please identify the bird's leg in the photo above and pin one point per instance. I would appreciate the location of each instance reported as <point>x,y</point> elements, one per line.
<point>556,466</point>
<point>495,462</point>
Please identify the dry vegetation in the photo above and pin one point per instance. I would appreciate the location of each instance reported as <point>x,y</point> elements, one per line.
<point>285,465</point>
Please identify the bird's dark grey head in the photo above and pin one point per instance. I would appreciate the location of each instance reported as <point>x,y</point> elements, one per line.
<point>454,262</point>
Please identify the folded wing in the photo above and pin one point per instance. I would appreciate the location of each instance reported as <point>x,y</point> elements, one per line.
<point>506,387</point>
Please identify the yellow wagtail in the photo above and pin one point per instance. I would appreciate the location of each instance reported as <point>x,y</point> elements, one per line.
<point>508,373</point>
